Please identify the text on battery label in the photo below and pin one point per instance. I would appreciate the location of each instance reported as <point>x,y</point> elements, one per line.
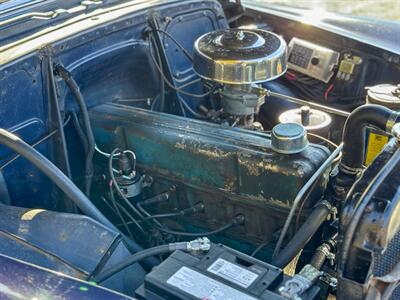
<point>232,272</point>
<point>203,287</point>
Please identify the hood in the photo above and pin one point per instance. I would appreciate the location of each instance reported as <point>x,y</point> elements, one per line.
<point>19,18</point>
<point>384,34</point>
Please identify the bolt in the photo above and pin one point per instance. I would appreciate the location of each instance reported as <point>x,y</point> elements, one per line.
<point>305,115</point>
<point>240,35</point>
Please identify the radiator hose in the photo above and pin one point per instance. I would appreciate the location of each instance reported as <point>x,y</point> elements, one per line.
<point>351,164</point>
<point>353,133</point>
<point>303,235</point>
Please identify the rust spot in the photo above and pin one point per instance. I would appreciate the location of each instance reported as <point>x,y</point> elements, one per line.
<point>181,146</point>
<point>270,201</point>
<point>230,184</point>
<point>212,153</point>
<point>257,168</point>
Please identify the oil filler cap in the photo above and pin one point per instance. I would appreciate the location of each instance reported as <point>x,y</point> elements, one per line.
<point>289,138</point>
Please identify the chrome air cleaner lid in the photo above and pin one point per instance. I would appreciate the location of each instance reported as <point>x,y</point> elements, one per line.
<point>240,56</point>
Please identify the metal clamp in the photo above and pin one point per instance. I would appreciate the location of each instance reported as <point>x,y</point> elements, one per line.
<point>349,170</point>
<point>325,249</point>
<point>198,245</point>
<point>396,131</point>
<point>391,122</point>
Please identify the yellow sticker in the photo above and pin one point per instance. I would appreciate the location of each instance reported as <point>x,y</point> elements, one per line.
<point>376,142</point>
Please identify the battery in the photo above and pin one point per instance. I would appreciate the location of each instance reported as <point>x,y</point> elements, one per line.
<point>222,273</point>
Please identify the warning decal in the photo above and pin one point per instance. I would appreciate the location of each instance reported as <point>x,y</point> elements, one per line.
<point>232,272</point>
<point>376,142</point>
<point>203,287</point>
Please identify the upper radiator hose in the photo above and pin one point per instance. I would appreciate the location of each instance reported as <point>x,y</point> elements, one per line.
<point>353,134</point>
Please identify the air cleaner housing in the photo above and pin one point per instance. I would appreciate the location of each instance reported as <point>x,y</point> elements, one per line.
<point>240,56</point>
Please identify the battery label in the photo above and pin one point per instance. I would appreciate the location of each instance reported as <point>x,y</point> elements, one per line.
<point>232,272</point>
<point>376,142</point>
<point>203,287</point>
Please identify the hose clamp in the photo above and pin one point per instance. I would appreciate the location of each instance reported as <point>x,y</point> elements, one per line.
<point>325,250</point>
<point>391,121</point>
<point>326,203</point>
<point>350,170</point>
<point>396,132</point>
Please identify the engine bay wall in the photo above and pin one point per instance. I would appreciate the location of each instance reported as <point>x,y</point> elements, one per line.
<point>109,62</point>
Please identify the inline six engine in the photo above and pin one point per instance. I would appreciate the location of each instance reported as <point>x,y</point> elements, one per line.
<point>231,171</point>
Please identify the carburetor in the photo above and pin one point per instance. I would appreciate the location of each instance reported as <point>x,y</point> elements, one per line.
<point>239,59</point>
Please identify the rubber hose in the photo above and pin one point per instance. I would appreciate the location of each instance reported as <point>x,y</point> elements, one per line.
<point>74,88</point>
<point>302,236</point>
<point>79,131</point>
<point>55,175</point>
<point>318,259</point>
<point>162,83</point>
<point>353,132</point>
<point>4,195</point>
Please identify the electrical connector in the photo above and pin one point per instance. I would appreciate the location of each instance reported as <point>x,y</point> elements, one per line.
<point>198,246</point>
<point>197,208</point>
<point>239,220</point>
<point>301,282</point>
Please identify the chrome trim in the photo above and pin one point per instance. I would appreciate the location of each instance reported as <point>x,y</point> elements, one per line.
<point>240,68</point>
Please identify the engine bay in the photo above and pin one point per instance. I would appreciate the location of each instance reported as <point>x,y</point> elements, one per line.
<point>197,150</point>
